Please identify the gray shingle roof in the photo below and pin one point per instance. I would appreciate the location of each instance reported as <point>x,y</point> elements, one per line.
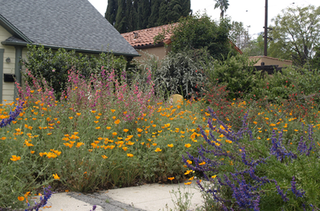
<point>74,24</point>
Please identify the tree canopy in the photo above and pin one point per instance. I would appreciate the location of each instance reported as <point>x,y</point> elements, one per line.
<point>197,32</point>
<point>295,34</point>
<point>130,15</point>
<point>255,47</point>
<point>315,62</point>
<point>239,35</point>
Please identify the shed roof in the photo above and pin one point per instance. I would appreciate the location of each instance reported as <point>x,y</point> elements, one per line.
<point>70,24</point>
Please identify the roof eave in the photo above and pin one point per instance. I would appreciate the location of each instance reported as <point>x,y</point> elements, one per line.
<point>68,48</point>
<point>12,29</point>
<point>14,43</point>
<point>151,45</point>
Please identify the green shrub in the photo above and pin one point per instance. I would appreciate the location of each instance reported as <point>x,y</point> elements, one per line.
<point>54,65</point>
<point>181,73</point>
<point>236,72</point>
<point>198,32</point>
<point>281,85</point>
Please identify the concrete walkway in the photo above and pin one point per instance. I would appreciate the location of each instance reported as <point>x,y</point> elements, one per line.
<point>149,197</point>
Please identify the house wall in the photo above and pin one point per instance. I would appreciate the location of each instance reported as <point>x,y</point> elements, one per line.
<point>270,61</point>
<point>160,52</point>
<point>7,88</point>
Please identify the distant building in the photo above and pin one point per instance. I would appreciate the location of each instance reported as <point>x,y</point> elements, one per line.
<point>266,61</point>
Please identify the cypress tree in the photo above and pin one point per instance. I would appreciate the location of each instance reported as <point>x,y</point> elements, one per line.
<point>121,18</point>
<point>174,11</point>
<point>130,15</point>
<point>163,13</point>
<point>144,11</point>
<point>111,12</point>
<point>185,6</point>
<point>154,16</point>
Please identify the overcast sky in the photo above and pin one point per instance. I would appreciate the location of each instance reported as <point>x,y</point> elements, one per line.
<point>250,12</point>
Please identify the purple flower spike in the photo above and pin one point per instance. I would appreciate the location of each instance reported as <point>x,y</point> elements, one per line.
<point>298,193</point>
<point>12,116</point>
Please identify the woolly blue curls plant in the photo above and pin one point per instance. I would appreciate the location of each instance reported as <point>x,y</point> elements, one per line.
<point>252,175</point>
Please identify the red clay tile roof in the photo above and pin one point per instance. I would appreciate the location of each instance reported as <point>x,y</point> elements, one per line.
<point>144,37</point>
<point>235,47</point>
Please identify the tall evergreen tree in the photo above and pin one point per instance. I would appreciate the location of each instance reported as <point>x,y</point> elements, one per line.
<point>174,11</point>
<point>163,13</point>
<point>185,5</point>
<point>130,15</point>
<point>112,11</point>
<point>154,16</point>
<point>144,11</point>
<point>121,18</point>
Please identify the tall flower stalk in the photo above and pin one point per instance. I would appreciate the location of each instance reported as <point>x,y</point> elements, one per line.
<point>104,91</point>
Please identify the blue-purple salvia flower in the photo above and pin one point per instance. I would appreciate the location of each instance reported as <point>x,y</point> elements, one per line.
<point>246,195</point>
<point>246,185</point>
<point>94,207</point>
<point>280,192</point>
<point>12,116</point>
<point>277,149</point>
<point>297,193</point>
<point>228,132</point>
<point>303,147</point>
<point>43,201</point>
<point>245,192</point>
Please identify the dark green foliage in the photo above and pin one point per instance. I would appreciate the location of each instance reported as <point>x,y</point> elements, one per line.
<point>241,81</point>
<point>315,62</point>
<point>54,65</point>
<point>154,15</point>
<point>174,11</point>
<point>129,15</point>
<point>163,14</point>
<point>144,10</point>
<point>185,5</point>
<point>236,72</point>
<point>132,13</point>
<point>195,32</point>
<point>112,11</point>
<point>289,81</point>
<point>121,17</point>
<point>171,10</point>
